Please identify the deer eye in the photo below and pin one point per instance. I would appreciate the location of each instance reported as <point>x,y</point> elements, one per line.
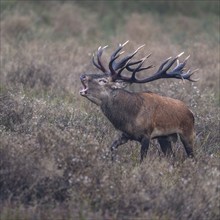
<point>102,81</point>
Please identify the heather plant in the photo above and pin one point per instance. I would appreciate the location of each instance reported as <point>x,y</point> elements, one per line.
<point>54,145</point>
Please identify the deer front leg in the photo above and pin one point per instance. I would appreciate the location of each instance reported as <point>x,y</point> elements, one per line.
<point>145,142</point>
<point>122,139</point>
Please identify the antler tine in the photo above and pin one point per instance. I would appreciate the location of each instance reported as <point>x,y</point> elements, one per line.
<point>116,52</point>
<point>139,61</point>
<point>126,63</point>
<point>188,74</point>
<point>93,61</point>
<point>122,68</point>
<point>134,71</point>
<point>136,62</point>
<point>99,54</point>
<point>139,48</point>
<point>121,65</point>
<point>145,68</point>
<point>179,55</point>
<point>125,43</point>
<point>186,59</point>
<point>137,69</point>
<point>112,65</point>
<point>170,63</point>
<point>179,65</point>
<point>120,46</point>
<point>125,60</point>
<point>99,64</point>
<point>114,56</point>
<point>164,63</point>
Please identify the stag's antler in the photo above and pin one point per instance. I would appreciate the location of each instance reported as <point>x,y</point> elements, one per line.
<point>176,73</point>
<point>99,64</point>
<point>124,63</point>
<point>116,68</point>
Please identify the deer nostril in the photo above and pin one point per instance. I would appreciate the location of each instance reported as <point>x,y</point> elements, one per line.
<point>82,77</point>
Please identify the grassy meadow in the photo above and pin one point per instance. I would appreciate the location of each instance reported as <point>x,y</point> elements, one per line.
<point>54,144</point>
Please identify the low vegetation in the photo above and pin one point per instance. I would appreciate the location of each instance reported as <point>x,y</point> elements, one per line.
<point>54,156</point>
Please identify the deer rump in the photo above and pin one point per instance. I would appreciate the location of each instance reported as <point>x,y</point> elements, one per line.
<point>140,116</point>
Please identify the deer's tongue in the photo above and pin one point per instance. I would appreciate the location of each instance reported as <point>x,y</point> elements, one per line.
<point>83,91</point>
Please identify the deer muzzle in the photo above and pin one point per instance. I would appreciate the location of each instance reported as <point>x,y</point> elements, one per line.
<point>83,91</point>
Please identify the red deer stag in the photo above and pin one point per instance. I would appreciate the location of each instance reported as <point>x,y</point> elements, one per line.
<point>140,116</point>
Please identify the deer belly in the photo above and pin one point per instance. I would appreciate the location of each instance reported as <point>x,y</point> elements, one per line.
<point>163,132</point>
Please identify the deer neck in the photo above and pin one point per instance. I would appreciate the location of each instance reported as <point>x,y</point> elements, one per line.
<point>121,107</point>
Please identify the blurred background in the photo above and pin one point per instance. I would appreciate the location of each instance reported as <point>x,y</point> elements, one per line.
<point>53,143</point>
<point>75,29</point>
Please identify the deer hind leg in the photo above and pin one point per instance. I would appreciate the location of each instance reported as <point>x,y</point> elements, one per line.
<point>188,142</point>
<point>145,142</point>
<point>166,146</point>
<point>122,139</point>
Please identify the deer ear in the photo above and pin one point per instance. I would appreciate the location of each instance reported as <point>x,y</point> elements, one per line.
<point>118,85</point>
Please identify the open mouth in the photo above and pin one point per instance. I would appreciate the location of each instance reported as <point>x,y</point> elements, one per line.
<point>83,92</point>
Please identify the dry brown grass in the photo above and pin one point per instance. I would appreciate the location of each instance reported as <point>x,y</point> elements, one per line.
<point>54,161</point>
<point>16,25</point>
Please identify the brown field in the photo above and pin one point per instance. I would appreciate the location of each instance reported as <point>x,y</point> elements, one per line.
<point>54,161</point>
